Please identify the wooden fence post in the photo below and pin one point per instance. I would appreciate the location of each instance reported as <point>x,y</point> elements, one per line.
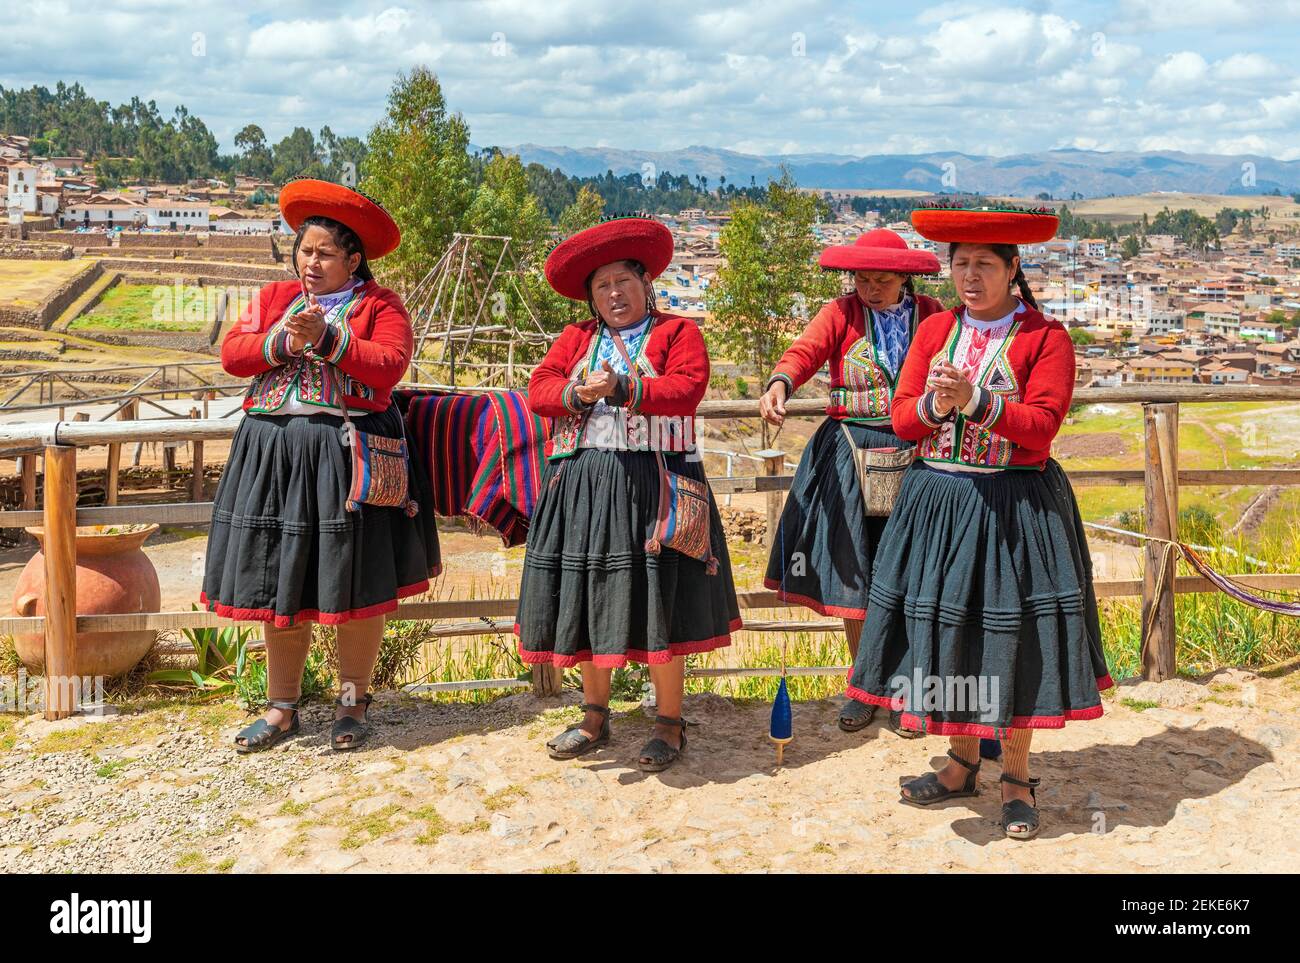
<point>196,476</point>
<point>28,483</point>
<point>547,679</point>
<point>133,414</point>
<point>1160,563</point>
<point>773,462</point>
<point>60,580</point>
<point>115,458</point>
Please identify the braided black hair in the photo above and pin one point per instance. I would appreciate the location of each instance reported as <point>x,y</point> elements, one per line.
<point>344,237</point>
<point>1006,253</point>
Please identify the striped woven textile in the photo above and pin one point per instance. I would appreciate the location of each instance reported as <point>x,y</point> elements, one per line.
<point>1236,590</point>
<point>484,456</point>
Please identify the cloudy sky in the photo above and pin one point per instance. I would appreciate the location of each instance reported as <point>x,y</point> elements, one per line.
<point>762,76</point>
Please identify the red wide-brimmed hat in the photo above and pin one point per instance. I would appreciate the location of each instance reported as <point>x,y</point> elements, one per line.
<point>879,250</point>
<point>985,225</point>
<point>619,239</point>
<point>306,198</point>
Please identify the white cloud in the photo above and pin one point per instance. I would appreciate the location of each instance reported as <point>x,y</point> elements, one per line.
<point>1179,72</point>
<point>1248,66</point>
<point>1148,15</point>
<point>993,77</point>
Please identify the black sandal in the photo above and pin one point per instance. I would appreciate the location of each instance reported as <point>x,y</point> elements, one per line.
<point>1020,813</point>
<point>262,735</point>
<point>896,723</point>
<point>348,733</point>
<point>657,755</point>
<point>927,790</point>
<point>573,742</point>
<point>856,716</point>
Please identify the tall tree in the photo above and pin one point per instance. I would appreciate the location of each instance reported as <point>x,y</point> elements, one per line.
<point>256,156</point>
<point>418,167</point>
<point>297,156</point>
<point>554,311</point>
<point>584,212</point>
<point>503,206</point>
<point>770,284</point>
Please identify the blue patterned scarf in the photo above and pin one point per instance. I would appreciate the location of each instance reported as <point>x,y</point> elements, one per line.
<point>893,333</point>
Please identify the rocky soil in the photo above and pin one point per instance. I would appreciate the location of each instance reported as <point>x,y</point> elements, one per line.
<point>1178,776</point>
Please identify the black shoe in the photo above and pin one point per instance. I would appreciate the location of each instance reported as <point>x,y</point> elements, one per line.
<point>896,723</point>
<point>573,742</point>
<point>928,790</point>
<point>262,735</point>
<point>856,716</point>
<point>1020,813</point>
<point>657,755</point>
<point>348,733</point>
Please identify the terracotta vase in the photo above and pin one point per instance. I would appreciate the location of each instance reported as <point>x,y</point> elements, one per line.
<point>113,576</point>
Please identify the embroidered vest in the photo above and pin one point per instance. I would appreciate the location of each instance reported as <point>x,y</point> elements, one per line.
<point>633,432</point>
<point>983,356</point>
<point>303,374</point>
<point>867,392</point>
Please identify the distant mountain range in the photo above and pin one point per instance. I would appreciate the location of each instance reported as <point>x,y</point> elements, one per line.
<point>1060,173</point>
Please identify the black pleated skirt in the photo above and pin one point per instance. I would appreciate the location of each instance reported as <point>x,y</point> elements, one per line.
<point>591,592</point>
<point>825,543</point>
<point>982,616</point>
<point>283,549</point>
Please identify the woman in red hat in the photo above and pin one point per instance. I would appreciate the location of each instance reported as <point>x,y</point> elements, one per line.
<point>824,546</point>
<point>599,588</point>
<point>283,549</point>
<point>982,620</point>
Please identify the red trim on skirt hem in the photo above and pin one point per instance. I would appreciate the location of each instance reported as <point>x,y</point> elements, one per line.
<point>315,615</point>
<point>917,723</point>
<point>618,660</point>
<point>821,608</point>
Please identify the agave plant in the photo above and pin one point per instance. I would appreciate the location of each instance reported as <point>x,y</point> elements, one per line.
<point>222,655</point>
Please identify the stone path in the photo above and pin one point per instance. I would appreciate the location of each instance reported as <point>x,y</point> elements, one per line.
<point>1180,776</point>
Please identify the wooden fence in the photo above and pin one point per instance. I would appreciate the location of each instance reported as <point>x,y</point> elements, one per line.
<point>178,379</point>
<point>58,443</point>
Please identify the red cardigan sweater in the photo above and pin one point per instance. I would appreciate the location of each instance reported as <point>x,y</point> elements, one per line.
<point>1022,395</point>
<point>861,388</point>
<point>371,348</point>
<point>672,377</point>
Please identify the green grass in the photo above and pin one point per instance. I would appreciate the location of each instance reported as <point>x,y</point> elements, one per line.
<point>1138,705</point>
<point>366,829</point>
<point>148,307</point>
<point>25,284</point>
<point>1252,435</point>
<point>112,768</point>
<point>561,869</point>
<point>1214,630</point>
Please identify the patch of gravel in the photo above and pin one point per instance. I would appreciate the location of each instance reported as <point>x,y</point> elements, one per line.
<point>139,806</point>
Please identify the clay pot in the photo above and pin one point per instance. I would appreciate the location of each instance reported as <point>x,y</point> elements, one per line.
<point>113,576</point>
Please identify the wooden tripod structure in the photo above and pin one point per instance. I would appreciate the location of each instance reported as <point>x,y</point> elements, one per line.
<point>461,309</point>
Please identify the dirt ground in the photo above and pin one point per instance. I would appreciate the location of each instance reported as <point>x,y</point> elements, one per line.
<point>1176,777</point>
<point>1101,444</point>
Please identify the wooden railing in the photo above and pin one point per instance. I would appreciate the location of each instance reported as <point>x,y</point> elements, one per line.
<point>186,379</point>
<point>58,443</point>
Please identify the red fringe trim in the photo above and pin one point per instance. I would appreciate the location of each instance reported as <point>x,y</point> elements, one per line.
<point>923,723</point>
<point>315,615</point>
<point>635,655</point>
<point>838,611</point>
